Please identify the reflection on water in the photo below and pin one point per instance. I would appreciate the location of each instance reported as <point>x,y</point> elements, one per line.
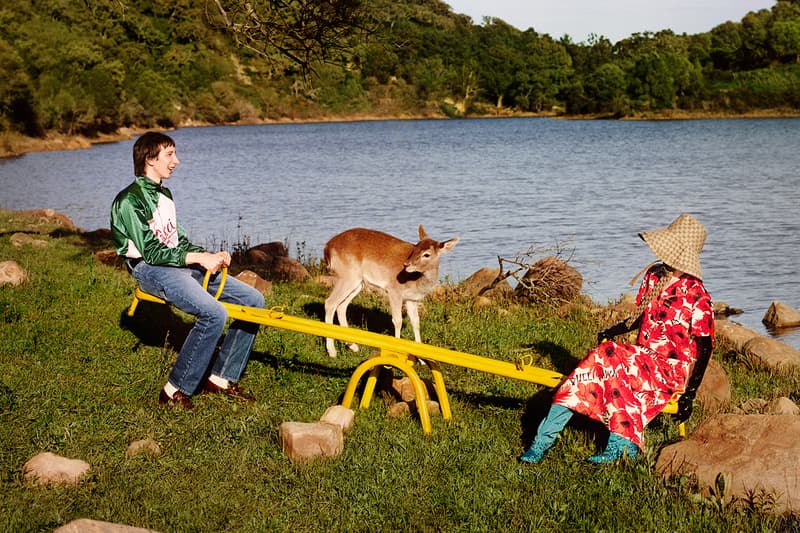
<point>501,185</point>
<point>787,333</point>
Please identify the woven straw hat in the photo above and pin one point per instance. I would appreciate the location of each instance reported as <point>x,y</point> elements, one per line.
<point>679,244</point>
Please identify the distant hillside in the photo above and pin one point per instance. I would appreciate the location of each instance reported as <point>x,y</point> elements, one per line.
<point>93,67</point>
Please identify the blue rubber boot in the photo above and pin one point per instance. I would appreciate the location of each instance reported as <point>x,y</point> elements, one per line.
<point>551,426</point>
<point>617,447</point>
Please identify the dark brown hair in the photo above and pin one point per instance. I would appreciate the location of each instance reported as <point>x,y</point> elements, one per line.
<point>148,146</point>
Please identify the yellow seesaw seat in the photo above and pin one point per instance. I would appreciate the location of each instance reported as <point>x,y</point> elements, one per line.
<point>139,295</point>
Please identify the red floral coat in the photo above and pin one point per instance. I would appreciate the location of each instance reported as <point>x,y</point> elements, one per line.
<point>625,386</point>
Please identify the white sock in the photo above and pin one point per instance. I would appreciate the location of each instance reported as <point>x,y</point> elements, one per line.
<point>170,389</point>
<point>219,381</point>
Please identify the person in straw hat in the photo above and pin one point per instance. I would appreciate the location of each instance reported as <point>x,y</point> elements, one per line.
<point>624,386</point>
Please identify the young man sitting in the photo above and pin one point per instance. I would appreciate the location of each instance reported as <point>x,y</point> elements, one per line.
<point>165,263</point>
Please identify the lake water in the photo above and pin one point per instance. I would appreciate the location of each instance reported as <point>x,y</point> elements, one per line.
<point>501,185</point>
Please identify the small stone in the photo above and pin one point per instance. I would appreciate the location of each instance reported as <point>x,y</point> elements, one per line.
<point>433,408</point>
<point>144,446</point>
<point>19,240</point>
<point>50,469</point>
<point>255,281</point>
<point>399,409</point>
<point>86,525</point>
<point>339,416</point>
<point>12,274</point>
<point>783,406</point>
<point>404,388</point>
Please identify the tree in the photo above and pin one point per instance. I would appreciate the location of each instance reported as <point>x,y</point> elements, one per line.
<point>302,31</point>
<point>606,88</point>
<point>651,82</point>
<point>754,49</point>
<point>726,40</point>
<point>544,67</point>
<point>785,39</point>
<point>17,109</point>
<point>499,58</point>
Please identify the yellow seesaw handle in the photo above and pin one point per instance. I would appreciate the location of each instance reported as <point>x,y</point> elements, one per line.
<point>224,274</point>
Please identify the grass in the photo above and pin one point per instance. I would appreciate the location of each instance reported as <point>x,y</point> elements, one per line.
<point>79,379</point>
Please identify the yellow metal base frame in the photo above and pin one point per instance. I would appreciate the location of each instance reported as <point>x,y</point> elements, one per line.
<point>405,364</point>
<point>398,353</point>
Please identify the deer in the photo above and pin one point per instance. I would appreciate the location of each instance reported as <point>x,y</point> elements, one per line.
<point>406,272</point>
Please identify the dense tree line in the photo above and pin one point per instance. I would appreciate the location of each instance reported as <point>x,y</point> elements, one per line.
<point>94,65</point>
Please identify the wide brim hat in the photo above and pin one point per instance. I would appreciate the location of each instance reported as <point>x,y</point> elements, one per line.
<point>679,244</point>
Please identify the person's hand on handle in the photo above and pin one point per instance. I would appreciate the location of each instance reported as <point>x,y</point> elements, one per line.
<point>212,262</point>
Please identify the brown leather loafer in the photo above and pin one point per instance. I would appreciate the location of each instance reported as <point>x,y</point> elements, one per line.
<point>178,398</point>
<point>233,390</point>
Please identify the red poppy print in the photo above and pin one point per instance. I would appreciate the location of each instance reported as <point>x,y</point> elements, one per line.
<point>619,393</point>
<point>622,423</point>
<point>591,396</point>
<point>626,385</point>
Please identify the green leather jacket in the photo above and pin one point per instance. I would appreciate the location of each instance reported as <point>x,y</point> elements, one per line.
<point>144,225</point>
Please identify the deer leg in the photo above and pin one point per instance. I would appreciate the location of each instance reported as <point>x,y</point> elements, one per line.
<point>336,303</point>
<point>396,307</point>
<point>413,317</point>
<point>341,312</point>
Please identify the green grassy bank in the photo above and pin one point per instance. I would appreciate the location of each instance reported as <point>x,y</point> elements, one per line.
<point>79,379</point>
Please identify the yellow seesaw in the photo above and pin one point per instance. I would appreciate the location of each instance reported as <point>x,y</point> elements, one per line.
<point>394,352</point>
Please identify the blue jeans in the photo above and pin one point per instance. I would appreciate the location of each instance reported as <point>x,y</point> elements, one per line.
<point>182,287</point>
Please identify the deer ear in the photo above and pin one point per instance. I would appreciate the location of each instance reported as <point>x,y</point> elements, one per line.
<point>422,234</point>
<point>448,245</point>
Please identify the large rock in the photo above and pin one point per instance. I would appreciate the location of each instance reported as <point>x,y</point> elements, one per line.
<point>722,309</point>
<point>288,269</point>
<point>780,315</point>
<point>756,455</point>
<point>49,217</point>
<point>303,441</point>
<point>109,257</point>
<point>762,351</point>
<point>272,261</point>
<point>714,392</point>
<point>271,250</point>
<point>49,469</point>
<point>772,354</point>
<point>256,257</point>
<point>733,334</point>
<point>481,280</point>
<point>550,280</point>
<point>265,253</point>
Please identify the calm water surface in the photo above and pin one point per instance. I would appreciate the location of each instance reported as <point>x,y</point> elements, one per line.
<point>501,185</point>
